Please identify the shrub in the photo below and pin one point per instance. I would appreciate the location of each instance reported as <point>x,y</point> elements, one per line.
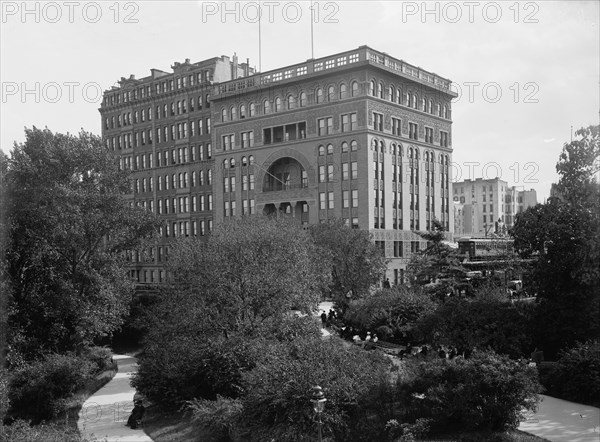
<point>391,313</point>
<point>218,417</point>
<point>576,375</point>
<point>100,356</point>
<point>479,324</point>
<point>486,392</point>
<point>38,390</point>
<point>21,431</point>
<point>278,391</point>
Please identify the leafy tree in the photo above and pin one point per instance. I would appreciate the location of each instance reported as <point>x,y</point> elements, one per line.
<point>486,392</point>
<point>69,226</point>
<point>563,236</point>
<point>479,324</point>
<point>230,294</point>
<point>277,403</point>
<point>392,314</point>
<point>438,263</point>
<point>358,263</point>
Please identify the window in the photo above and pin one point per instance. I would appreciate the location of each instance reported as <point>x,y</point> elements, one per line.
<point>378,121</point>
<point>278,104</point>
<point>251,110</point>
<point>291,102</point>
<point>228,142</point>
<point>354,88</point>
<point>345,199</point>
<point>321,174</point>
<point>372,87</point>
<point>343,91</point>
<point>330,149</point>
<point>396,126</point>
<point>355,199</point>
<point>354,169</point>
<point>443,139</point>
<point>322,201</point>
<point>345,172</point>
<point>319,94</point>
<point>247,139</point>
<point>349,122</point>
<point>330,93</point>
<point>429,135</point>
<point>303,99</point>
<point>330,173</point>
<point>412,131</point>
<point>321,150</point>
<point>267,107</point>
<point>330,200</point>
<point>325,126</point>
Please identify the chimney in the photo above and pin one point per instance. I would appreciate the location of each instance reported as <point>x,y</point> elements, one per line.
<point>247,67</point>
<point>132,77</point>
<point>187,61</point>
<point>235,67</point>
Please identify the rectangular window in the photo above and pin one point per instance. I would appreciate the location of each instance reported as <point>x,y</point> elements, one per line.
<point>322,205</point>
<point>321,174</point>
<point>345,172</point>
<point>345,199</point>
<point>354,169</point>
<point>396,126</point>
<point>412,131</point>
<point>330,173</point>
<point>443,139</point>
<point>378,121</point>
<point>247,139</point>
<point>348,122</point>
<point>429,135</point>
<point>330,200</point>
<point>325,126</point>
<point>355,198</point>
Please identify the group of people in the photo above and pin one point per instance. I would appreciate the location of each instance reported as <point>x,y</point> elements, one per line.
<point>327,319</point>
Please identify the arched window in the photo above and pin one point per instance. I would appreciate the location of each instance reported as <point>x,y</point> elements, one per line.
<point>223,114</point>
<point>344,147</point>
<point>392,93</point>
<point>232,162</point>
<point>424,104</point>
<point>372,88</point>
<point>355,88</point>
<point>410,152</point>
<point>393,149</point>
<point>277,104</point>
<point>353,146</point>
<point>343,91</point>
<point>430,107</point>
<point>330,93</point>
<point>432,157</point>
<point>291,102</point>
<point>243,111</point>
<point>415,101</point>
<point>380,90</point>
<point>244,161</point>
<point>225,164</point>
<point>416,153</point>
<point>302,99</point>
<point>251,160</point>
<point>407,99</point>
<point>446,113</point>
<point>439,109</point>
<point>374,145</point>
<point>329,149</point>
<point>319,94</point>
<point>427,156</point>
<point>267,107</point>
<point>321,150</point>
<point>233,112</point>
<point>251,110</point>
<point>381,146</point>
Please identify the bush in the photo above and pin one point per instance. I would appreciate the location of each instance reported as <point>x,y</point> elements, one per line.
<point>21,431</point>
<point>218,418</point>
<point>576,375</point>
<point>486,392</point>
<point>479,324</point>
<point>278,392</point>
<point>38,390</point>
<point>392,314</point>
<point>101,357</point>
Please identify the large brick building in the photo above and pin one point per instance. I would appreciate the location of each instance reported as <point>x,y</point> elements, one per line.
<point>357,135</point>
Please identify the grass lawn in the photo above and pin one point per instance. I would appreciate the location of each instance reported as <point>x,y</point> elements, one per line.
<point>172,427</point>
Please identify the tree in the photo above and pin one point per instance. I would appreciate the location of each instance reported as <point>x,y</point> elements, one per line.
<point>563,236</point>
<point>229,296</point>
<point>392,314</point>
<point>69,229</point>
<point>357,263</point>
<point>438,263</point>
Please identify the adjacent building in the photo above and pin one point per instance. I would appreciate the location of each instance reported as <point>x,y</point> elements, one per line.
<point>488,206</point>
<point>357,135</point>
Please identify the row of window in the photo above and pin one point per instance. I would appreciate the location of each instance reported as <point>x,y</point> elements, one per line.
<point>229,183</point>
<point>164,158</point>
<point>159,87</point>
<point>327,199</point>
<point>182,228</point>
<point>175,181</point>
<point>413,129</point>
<point>248,208</point>
<point>409,99</point>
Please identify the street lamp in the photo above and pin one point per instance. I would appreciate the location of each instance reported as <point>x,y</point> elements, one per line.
<point>318,400</point>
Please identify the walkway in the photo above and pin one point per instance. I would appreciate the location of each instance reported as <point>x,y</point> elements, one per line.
<point>104,414</point>
<point>562,421</point>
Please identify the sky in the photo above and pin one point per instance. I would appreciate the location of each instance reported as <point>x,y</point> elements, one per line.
<point>526,72</point>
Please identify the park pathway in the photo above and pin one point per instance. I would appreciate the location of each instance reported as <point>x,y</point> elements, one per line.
<point>104,414</point>
<point>562,421</point>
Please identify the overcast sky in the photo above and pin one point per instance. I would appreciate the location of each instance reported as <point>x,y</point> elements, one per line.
<point>526,71</point>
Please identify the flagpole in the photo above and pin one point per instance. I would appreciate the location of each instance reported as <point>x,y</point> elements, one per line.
<point>259,41</point>
<point>312,45</point>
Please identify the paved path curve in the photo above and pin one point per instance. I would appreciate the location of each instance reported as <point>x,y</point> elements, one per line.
<point>562,421</point>
<point>104,414</point>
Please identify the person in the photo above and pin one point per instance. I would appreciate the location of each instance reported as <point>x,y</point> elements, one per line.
<point>136,415</point>
<point>386,283</point>
<point>324,319</point>
<point>375,338</point>
<point>331,315</point>
<point>368,338</point>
